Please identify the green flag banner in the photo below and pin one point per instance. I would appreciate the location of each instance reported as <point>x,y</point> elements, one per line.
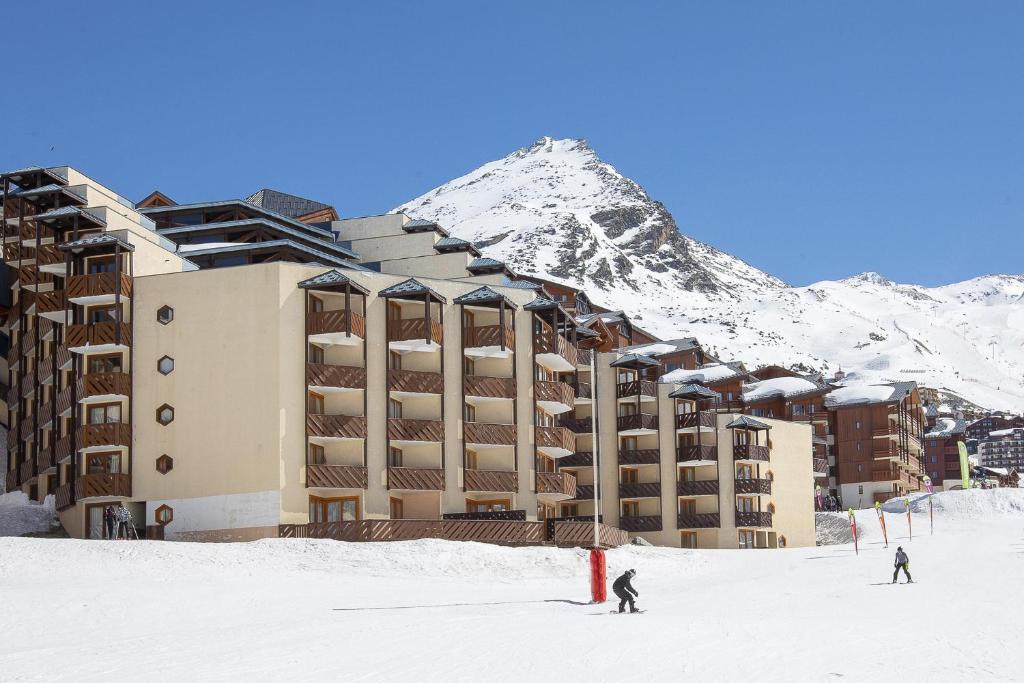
<point>965,467</point>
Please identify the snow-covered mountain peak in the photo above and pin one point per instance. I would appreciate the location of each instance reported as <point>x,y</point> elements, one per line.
<point>555,209</point>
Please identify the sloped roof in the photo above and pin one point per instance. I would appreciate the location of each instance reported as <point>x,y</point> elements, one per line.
<point>275,225</point>
<point>319,257</point>
<point>634,360</point>
<point>520,284</point>
<point>484,263</point>
<point>63,211</point>
<point>694,391</point>
<point>423,225</point>
<point>331,278</point>
<point>746,422</point>
<point>101,239</point>
<point>945,427</point>
<point>285,204</point>
<point>446,244</point>
<point>784,387</point>
<point>659,348</point>
<point>483,295</point>
<point>410,287</point>
<point>866,394</point>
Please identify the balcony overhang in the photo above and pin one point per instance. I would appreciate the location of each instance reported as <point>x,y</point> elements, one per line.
<point>555,362</point>
<point>488,352</point>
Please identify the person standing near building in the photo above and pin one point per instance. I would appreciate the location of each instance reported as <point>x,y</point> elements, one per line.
<point>625,591</point>
<point>108,522</point>
<point>902,562</point>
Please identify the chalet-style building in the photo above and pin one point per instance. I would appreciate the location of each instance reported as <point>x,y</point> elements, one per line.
<point>879,430</point>
<point>379,380</point>
<point>941,452</point>
<point>980,429</point>
<point>1003,448</point>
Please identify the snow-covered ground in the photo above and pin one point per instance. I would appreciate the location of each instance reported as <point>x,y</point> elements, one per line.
<point>440,611</point>
<point>19,515</point>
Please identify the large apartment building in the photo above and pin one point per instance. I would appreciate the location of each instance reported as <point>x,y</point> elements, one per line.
<point>241,369</point>
<point>942,452</point>
<point>1003,448</point>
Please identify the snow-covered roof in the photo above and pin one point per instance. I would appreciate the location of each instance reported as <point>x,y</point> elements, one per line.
<point>946,426</point>
<point>696,391</point>
<point>784,387</point>
<point>410,287</point>
<point>664,347</point>
<point>715,372</point>
<point>482,295</point>
<point>633,360</point>
<point>747,422</point>
<point>1003,432</point>
<point>97,240</point>
<point>852,394</point>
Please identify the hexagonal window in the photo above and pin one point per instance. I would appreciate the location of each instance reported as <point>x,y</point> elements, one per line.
<point>165,315</point>
<point>165,365</point>
<point>164,515</point>
<point>165,414</point>
<point>164,464</point>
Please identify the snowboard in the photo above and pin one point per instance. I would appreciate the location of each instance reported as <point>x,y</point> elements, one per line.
<point>639,611</point>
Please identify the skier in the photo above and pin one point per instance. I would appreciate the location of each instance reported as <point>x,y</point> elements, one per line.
<point>108,522</point>
<point>625,591</point>
<point>902,561</point>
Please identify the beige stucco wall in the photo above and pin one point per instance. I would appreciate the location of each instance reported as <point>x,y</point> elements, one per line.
<point>435,265</point>
<point>365,227</point>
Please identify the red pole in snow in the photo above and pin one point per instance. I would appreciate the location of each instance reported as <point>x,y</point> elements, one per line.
<point>598,576</point>
<point>853,527</point>
<point>910,527</point>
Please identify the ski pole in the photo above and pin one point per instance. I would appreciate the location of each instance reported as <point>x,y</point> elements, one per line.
<point>853,528</point>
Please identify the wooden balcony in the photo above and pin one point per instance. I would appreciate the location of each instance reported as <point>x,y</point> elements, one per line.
<point>64,496</point>
<point>584,492</point>
<point>13,253</point>
<point>697,488</point>
<point>28,384</point>
<point>555,441</point>
<point>404,429</point>
<point>577,459</point>
<point>641,523</point>
<point>104,384</point>
<point>336,323</point>
<point>336,476</point>
<point>577,425</point>
<point>885,475</point>
<point>754,486</point>
<point>639,456</point>
<point>584,391</point>
<point>415,381</point>
<point>416,479</point>
<point>103,486</point>
<point>554,397</point>
<point>490,434</point>
<point>888,430</point>
<point>637,489</point>
<point>63,357</point>
<point>335,376</point>
<point>704,520</point>
<point>753,519</point>
<point>45,413</point>
<point>79,337</point>
<point>50,255</point>
<point>112,434</point>
<point>483,336</point>
<point>642,387</point>
<point>415,329</point>
<point>820,466</point>
<point>489,387</point>
<point>581,534</point>
<point>561,484</point>
<point>639,423</point>
<point>99,285</point>
<point>11,480</point>
<point>45,373</point>
<point>54,303</point>
<point>505,532</point>
<point>748,451</point>
<point>64,400</point>
<point>697,453</point>
<point>491,480</point>
<point>65,448</point>
<point>45,459</point>
<point>335,426</point>
<point>27,472</point>
<point>554,351</point>
<point>30,277</point>
<point>583,357</point>
<point>13,395</point>
<point>693,420</point>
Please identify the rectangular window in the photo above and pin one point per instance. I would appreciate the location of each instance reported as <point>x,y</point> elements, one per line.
<point>333,509</point>
<point>630,475</point>
<point>104,363</point>
<point>469,367</point>
<point>316,304</point>
<point>798,408</point>
<point>688,539</point>
<point>630,508</point>
<point>746,539</point>
<point>757,412</point>
<point>469,412</point>
<point>315,404</point>
<point>629,443</point>
<point>744,504</point>
<point>396,508</point>
<point>570,510</point>
<point>688,474</point>
<point>488,505</point>
<point>687,506</point>
<point>316,354</point>
<point>394,360</point>
<point>471,460</point>
<point>104,413</point>
<point>101,264</point>
<point>394,408</point>
<point>102,314</point>
<point>744,471</point>
<point>316,454</point>
<point>103,463</point>
<point>394,457</point>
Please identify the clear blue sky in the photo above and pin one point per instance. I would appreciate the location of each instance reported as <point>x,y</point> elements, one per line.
<point>813,139</point>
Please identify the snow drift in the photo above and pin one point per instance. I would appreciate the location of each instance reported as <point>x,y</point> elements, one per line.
<point>19,515</point>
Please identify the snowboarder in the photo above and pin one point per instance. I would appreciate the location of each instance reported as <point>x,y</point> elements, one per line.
<point>108,522</point>
<point>902,561</point>
<point>625,591</point>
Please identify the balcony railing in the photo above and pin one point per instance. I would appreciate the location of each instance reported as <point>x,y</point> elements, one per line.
<point>583,357</point>
<point>639,456</point>
<point>584,492</point>
<point>335,322</point>
<point>487,433</point>
<point>555,437</point>
<point>642,387</point>
<point>697,452</point>
<point>97,334</point>
<point>336,426</point>
<point>697,488</point>
<point>11,480</point>
<point>505,532</point>
<point>701,520</point>
<point>336,476</point>
<point>30,276</point>
<point>491,480</point>
<point>577,425</point>
<point>49,255</point>
<point>66,447</point>
<point>105,384</point>
<point>637,422</point>
<point>414,329</point>
<point>488,335</point>
<point>749,451</point>
<point>415,381</point>
<point>45,459</point>
<point>99,284</point>
<point>52,302</point>
<point>103,486</point>
<point>699,419</point>
<point>577,459</point>
<point>561,483</point>
<point>819,466</point>
<point>416,478</point>
<point>636,489</point>
<point>27,472</point>
<point>581,534</point>
<point>106,434</point>
<point>337,376</point>
<point>584,390</point>
<point>489,387</point>
<point>546,341</point>
<point>405,429</point>
<point>754,486</point>
<point>554,392</point>
<point>64,496</point>
<point>641,523</point>
<point>753,519</point>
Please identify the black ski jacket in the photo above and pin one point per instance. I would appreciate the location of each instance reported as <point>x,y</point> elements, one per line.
<point>901,558</point>
<point>622,584</point>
